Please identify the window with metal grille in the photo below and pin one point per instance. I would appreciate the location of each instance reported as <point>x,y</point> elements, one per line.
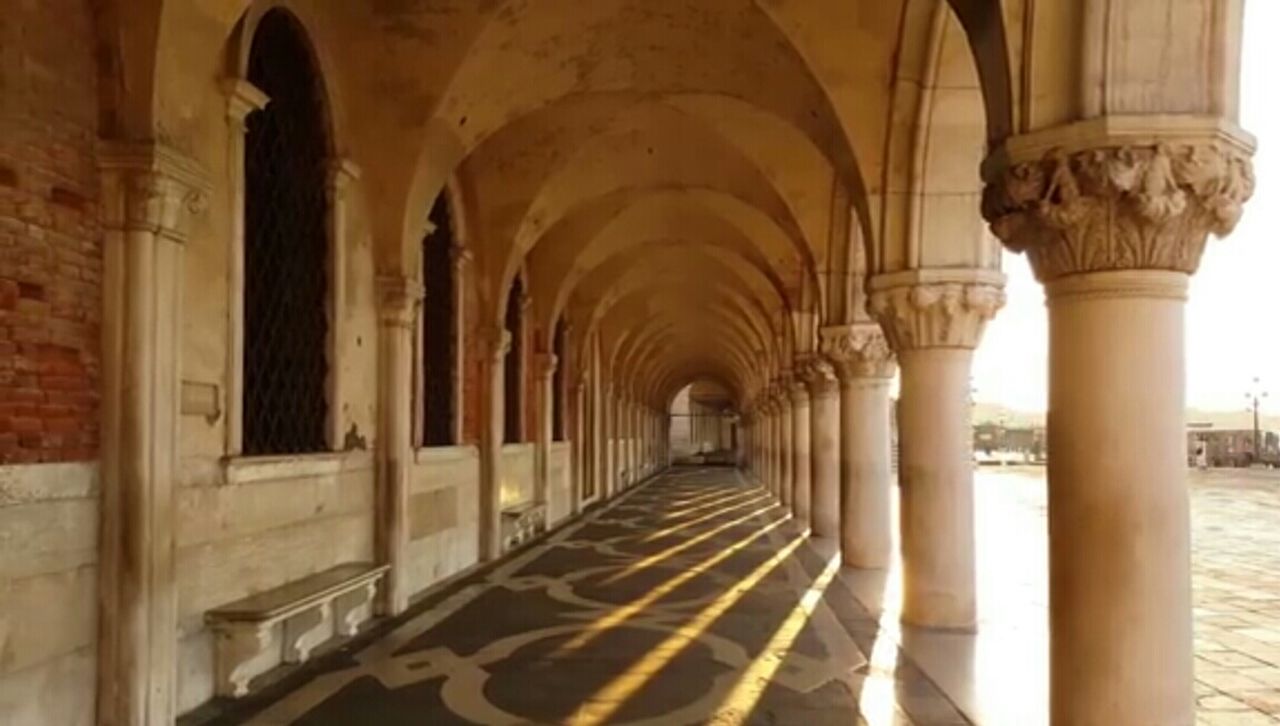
<point>439,343</point>
<point>557,383</point>
<point>286,275</point>
<point>513,369</point>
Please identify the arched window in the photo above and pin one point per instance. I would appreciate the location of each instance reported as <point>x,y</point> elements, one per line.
<point>557,383</point>
<point>286,260</point>
<point>439,343</point>
<point>513,370</point>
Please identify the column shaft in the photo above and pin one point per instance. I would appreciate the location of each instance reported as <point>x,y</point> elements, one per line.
<point>936,504</point>
<point>1119,528</point>
<point>824,517</point>
<point>866,538</point>
<point>801,461</point>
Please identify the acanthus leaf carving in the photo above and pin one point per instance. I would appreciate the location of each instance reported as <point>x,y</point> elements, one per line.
<point>935,314</point>
<point>857,351</point>
<point>1145,206</point>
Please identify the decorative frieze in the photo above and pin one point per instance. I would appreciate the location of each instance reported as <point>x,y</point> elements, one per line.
<point>857,351</point>
<point>935,313</point>
<point>1148,204</point>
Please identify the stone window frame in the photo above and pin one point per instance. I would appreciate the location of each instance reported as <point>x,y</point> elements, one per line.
<point>462,257</point>
<point>242,99</point>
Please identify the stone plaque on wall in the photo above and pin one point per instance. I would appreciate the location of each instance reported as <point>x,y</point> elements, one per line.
<point>432,512</point>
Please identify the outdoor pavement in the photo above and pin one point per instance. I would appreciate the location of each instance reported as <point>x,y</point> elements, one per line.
<point>693,600</point>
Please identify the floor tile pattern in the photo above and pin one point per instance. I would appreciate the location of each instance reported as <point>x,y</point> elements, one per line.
<point>691,600</point>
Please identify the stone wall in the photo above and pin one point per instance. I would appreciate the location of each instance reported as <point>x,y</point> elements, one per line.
<point>517,475</point>
<point>50,240</point>
<point>48,593</point>
<point>268,524</point>
<point>444,515</point>
<point>559,483</point>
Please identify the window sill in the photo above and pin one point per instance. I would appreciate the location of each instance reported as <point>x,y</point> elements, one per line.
<point>251,469</point>
<point>438,454</point>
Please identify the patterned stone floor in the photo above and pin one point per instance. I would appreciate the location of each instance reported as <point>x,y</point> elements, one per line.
<point>689,601</point>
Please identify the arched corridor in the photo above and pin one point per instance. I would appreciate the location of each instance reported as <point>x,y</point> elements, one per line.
<point>313,311</point>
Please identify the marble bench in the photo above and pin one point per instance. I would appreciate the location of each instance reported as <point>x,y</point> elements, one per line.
<point>284,624</point>
<point>522,523</point>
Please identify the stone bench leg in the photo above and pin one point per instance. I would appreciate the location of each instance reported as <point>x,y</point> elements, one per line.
<point>304,631</point>
<point>240,649</point>
<point>352,608</point>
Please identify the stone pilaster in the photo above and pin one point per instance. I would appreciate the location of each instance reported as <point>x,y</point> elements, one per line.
<point>865,365</point>
<point>399,298</point>
<point>151,196</point>
<point>1114,215</point>
<point>934,319</point>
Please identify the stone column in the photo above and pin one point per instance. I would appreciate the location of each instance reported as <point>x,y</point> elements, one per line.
<point>786,445</point>
<point>498,343</point>
<point>609,453</point>
<point>1114,225</point>
<point>150,195</point>
<point>824,396</point>
<point>544,368</point>
<point>865,366</point>
<point>934,319</point>
<point>801,461</point>
<point>399,298</point>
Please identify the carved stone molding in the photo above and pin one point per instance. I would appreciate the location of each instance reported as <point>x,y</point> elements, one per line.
<point>819,375</point>
<point>398,295</point>
<point>1141,205</point>
<point>497,342</point>
<point>152,188</point>
<point>544,365</point>
<point>935,314</point>
<point>858,351</point>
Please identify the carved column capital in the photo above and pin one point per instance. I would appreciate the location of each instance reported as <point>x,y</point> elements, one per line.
<point>243,98</point>
<point>497,342</point>
<point>461,258</point>
<point>819,375</point>
<point>152,188</point>
<point>935,308</point>
<point>858,351</point>
<point>1118,199</point>
<point>398,295</point>
<point>544,365</point>
<point>342,174</point>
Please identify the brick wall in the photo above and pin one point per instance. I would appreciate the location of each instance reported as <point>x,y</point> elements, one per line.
<point>50,248</point>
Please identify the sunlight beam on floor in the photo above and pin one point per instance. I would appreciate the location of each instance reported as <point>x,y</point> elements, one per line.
<point>635,607</point>
<point>673,550</point>
<point>600,708</point>
<point>753,682</point>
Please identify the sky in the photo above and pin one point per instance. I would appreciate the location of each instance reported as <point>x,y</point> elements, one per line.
<point>1233,317</point>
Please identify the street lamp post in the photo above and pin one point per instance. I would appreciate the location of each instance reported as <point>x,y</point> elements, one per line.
<point>1255,397</point>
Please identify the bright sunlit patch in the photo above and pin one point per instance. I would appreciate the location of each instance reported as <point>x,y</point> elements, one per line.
<point>719,511</point>
<point>637,606</point>
<point>654,559</point>
<point>755,679</point>
<point>606,702</point>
